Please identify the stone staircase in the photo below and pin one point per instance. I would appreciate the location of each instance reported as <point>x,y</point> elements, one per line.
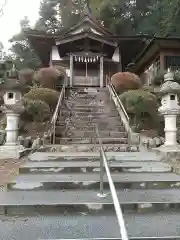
<point>82,110</point>
<point>55,195</point>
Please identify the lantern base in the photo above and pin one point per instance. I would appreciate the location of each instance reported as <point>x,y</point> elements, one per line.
<point>10,152</point>
<point>169,148</point>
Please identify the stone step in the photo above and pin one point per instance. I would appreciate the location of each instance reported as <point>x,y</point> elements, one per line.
<point>90,226</point>
<point>75,104</point>
<point>90,140</point>
<point>103,134</point>
<point>94,156</point>
<point>89,96</point>
<point>91,181</point>
<point>85,225</point>
<point>78,127</point>
<point>89,91</point>
<point>88,105</point>
<point>100,118</point>
<point>89,114</point>
<point>89,148</point>
<point>94,110</point>
<point>44,202</point>
<point>92,166</point>
<point>80,89</point>
<point>102,123</point>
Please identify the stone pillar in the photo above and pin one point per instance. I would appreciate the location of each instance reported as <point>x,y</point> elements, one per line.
<point>11,149</point>
<point>101,71</point>
<point>71,70</point>
<point>12,128</point>
<point>170,130</point>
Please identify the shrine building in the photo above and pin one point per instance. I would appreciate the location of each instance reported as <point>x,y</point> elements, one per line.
<point>89,52</point>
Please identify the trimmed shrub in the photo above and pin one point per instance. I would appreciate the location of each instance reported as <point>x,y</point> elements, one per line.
<point>26,75</point>
<point>3,123</point>
<point>148,89</point>
<point>46,95</point>
<point>124,81</point>
<point>35,111</point>
<point>141,106</point>
<point>49,77</point>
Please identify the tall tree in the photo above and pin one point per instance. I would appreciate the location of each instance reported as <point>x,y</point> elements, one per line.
<point>22,54</point>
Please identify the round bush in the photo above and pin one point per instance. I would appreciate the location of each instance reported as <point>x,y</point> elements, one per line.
<point>139,101</point>
<point>148,89</point>
<point>35,110</point>
<point>26,75</point>
<point>140,104</point>
<point>124,81</point>
<point>49,77</point>
<point>46,95</point>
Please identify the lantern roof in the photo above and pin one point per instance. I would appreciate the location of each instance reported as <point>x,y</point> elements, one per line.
<point>169,85</point>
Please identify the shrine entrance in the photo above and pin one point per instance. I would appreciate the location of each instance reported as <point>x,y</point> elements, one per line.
<point>86,69</point>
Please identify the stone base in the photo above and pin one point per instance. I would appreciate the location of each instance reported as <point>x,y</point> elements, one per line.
<point>10,151</point>
<point>165,148</point>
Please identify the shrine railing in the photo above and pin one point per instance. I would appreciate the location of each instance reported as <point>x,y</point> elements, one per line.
<point>117,206</point>
<point>117,101</point>
<point>56,113</point>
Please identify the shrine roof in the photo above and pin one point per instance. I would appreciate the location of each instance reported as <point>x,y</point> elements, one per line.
<point>155,46</point>
<point>42,43</point>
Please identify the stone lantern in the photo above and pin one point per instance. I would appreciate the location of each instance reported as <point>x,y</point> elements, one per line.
<point>170,109</point>
<point>13,107</point>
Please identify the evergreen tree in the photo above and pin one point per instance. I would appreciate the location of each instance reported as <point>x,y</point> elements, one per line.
<point>22,54</point>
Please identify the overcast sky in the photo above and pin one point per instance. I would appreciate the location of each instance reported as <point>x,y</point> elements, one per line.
<point>14,11</point>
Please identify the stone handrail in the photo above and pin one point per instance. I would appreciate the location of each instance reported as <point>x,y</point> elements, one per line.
<point>56,112</point>
<point>119,105</point>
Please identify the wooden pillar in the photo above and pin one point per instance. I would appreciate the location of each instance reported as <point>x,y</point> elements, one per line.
<point>120,62</point>
<point>71,70</point>
<point>101,71</point>
<point>162,65</point>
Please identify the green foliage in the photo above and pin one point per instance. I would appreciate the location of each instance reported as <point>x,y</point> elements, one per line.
<point>152,17</point>
<point>3,123</point>
<point>46,95</point>
<point>23,55</point>
<point>140,105</point>
<point>26,75</point>
<point>148,89</point>
<point>50,77</point>
<point>35,111</point>
<point>158,79</point>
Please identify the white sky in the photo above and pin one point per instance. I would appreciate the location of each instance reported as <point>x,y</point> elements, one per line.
<point>14,11</point>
